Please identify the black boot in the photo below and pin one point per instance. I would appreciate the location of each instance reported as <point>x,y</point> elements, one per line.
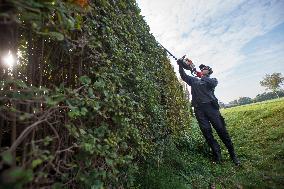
<point>233,155</point>
<point>218,159</point>
<point>236,161</point>
<point>217,155</point>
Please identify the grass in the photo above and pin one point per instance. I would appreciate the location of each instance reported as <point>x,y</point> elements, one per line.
<point>257,131</point>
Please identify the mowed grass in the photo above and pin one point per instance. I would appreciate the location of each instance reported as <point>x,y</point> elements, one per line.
<point>257,131</point>
<point>258,134</point>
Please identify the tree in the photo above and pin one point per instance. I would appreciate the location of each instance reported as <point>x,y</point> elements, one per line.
<point>233,103</point>
<point>272,82</point>
<point>244,100</point>
<point>222,104</point>
<point>268,95</point>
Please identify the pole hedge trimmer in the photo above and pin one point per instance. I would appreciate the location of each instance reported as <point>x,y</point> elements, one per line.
<point>186,64</point>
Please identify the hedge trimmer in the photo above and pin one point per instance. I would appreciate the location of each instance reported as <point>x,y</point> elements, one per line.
<point>186,64</point>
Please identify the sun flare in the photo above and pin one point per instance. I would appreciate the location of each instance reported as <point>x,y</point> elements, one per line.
<point>9,59</point>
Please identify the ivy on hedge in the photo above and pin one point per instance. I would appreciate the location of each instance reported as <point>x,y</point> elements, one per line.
<point>120,106</point>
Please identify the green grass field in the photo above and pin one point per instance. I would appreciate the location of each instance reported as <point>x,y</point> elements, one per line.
<point>257,131</point>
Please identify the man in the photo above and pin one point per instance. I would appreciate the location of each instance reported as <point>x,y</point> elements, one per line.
<point>206,109</point>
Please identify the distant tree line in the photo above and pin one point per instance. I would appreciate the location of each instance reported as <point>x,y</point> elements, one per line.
<point>271,82</point>
<point>247,100</point>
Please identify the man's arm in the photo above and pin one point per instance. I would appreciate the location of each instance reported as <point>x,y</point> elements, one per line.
<point>211,82</point>
<point>188,79</point>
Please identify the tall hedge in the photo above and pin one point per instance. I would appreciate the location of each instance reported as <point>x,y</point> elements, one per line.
<point>92,97</point>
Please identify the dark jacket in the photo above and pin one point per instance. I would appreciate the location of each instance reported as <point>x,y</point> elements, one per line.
<point>202,90</point>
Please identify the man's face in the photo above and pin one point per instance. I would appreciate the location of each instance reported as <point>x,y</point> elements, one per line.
<point>205,71</point>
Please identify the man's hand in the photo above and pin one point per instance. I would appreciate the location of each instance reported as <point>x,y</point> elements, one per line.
<point>186,64</point>
<point>180,62</point>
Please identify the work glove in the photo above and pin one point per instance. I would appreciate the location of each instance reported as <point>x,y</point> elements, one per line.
<point>180,62</point>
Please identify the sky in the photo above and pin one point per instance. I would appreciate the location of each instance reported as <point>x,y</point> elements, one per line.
<point>242,40</point>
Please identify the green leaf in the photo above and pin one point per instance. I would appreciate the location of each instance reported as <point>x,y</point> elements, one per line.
<point>85,80</point>
<point>21,83</point>
<point>7,157</point>
<point>78,21</point>
<point>96,105</point>
<point>47,140</point>
<point>36,162</point>
<point>30,17</point>
<point>74,112</point>
<point>25,116</point>
<point>97,185</point>
<point>50,101</point>
<point>71,23</point>
<point>57,185</point>
<point>91,93</point>
<point>84,111</point>
<point>82,131</point>
<point>109,161</point>
<point>20,174</point>
<point>55,35</point>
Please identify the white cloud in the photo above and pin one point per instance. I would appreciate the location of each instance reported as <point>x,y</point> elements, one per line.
<point>211,32</point>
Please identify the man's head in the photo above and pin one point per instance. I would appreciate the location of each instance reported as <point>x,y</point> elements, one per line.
<point>206,70</point>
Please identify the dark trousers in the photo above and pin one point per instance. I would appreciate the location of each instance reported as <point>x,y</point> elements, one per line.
<point>207,114</point>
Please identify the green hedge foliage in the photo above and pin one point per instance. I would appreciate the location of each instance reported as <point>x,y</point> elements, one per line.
<point>99,92</point>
